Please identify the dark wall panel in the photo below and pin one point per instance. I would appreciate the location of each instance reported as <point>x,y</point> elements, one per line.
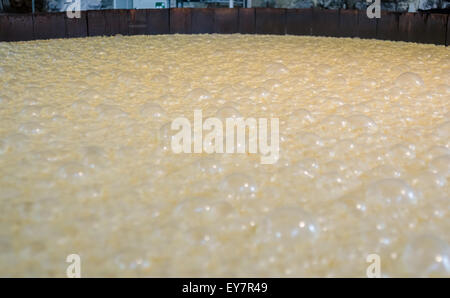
<point>348,23</point>
<point>270,21</point>
<point>412,27</point>
<point>325,22</point>
<point>77,27</point>
<point>247,20</point>
<point>388,26</point>
<point>367,28</point>
<point>158,21</point>
<point>116,22</point>
<point>49,25</point>
<point>202,20</point>
<point>180,20</point>
<point>16,27</point>
<point>96,23</point>
<point>436,30</point>
<point>137,21</point>
<point>447,41</point>
<point>226,20</point>
<point>299,21</point>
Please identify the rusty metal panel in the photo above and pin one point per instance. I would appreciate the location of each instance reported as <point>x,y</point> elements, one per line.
<point>180,20</point>
<point>325,22</point>
<point>137,21</point>
<point>247,20</point>
<point>202,20</point>
<point>299,21</point>
<point>226,20</point>
<point>16,27</point>
<point>77,27</point>
<point>49,25</point>
<point>348,23</point>
<point>388,26</point>
<point>116,22</point>
<point>96,23</point>
<point>436,29</point>
<point>367,28</point>
<point>158,21</point>
<point>270,21</point>
<point>447,40</point>
<point>412,27</point>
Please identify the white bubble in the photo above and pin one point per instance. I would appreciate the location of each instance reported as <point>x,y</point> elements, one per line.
<point>287,224</point>
<point>362,123</point>
<point>72,171</point>
<point>237,186</point>
<point>227,112</point>
<point>426,256</point>
<point>441,165</point>
<point>152,111</point>
<point>31,128</point>
<point>198,95</point>
<point>277,69</point>
<point>409,79</point>
<point>391,191</point>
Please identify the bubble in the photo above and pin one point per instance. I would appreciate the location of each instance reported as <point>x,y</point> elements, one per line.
<point>391,191</point>
<point>31,111</point>
<point>108,112</point>
<point>334,121</point>
<point>3,147</point>
<point>88,94</point>
<point>227,112</point>
<point>81,106</point>
<point>310,140</point>
<point>237,186</point>
<point>209,166</point>
<point>409,79</point>
<point>343,148</point>
<point>160,79</point>
<point>426,256</point>
<point>308,167</point>
<point>429,181</point>
<point>443,130</point>
<point>31,128</point>
<point>399,153</point>
<point>436,151</point>
<point>384,171</point>
<point>441,165</point>
<point>94,157</point>
<point>287,224</point>
<point>362,123</point>
<point>198,95</point>
<point>323,69</point>
<point>260,93</point>
<point>277,69</point>
<point>202,211</point>
<point>17,141</point>
<point>4,99</point>
<point>72,171</point>
<point>300,118</point>
<point>152,111</point>
<point>272,84</point>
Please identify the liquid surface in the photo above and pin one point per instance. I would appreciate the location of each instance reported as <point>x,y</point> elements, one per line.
<point>86,166</point>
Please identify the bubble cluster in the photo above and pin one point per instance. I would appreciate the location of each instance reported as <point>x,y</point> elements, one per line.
<point>86,164</point>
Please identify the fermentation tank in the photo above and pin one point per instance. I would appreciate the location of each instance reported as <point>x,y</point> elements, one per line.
<point>245,142</point>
